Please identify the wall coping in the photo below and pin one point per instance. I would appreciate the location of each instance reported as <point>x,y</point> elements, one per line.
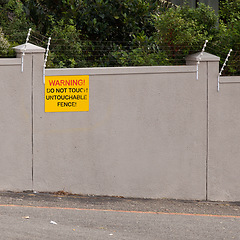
<point>229,79</point>
<point>206,57</point>
<point>30,48</point>
<point>120,70</point>
<point>10,61</point>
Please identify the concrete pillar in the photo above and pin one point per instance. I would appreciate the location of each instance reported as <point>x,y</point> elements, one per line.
<point>16,122</point>
<point>208,69</point>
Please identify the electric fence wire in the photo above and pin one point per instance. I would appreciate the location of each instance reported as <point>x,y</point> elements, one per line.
<point>96,52</point>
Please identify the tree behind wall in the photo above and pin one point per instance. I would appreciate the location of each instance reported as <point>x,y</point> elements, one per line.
<point>194,3</point>
<point>88,33</point>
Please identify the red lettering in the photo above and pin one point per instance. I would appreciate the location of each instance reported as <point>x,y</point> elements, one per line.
<point>81,82</point>
<point>52,82</point>
<point>74,82</point>
<point>68,82</point>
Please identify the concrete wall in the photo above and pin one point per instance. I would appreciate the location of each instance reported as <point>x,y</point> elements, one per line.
<point>154,132</point>
<point>16,124</point>
<point>142,136</point>
<point>224,133</point>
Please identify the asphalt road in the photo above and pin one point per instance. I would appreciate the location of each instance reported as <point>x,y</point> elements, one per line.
<point>61,216</point>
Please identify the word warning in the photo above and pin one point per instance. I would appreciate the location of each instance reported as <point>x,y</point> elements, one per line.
<point>66,93</point>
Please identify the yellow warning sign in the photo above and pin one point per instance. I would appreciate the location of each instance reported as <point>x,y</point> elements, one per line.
<point>66,93</point>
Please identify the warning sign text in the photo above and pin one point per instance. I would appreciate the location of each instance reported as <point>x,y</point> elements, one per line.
<point>66,93</point>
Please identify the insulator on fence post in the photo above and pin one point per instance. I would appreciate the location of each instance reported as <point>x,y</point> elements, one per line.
<point>25,47</point>
<point>220,73</point>
<point>200,57</point>
<point>45,60</point>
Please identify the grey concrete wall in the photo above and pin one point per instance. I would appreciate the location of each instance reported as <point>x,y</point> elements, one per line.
<point>154,132</point>
<point>144,135</point>
<point>15,124</point>
<point>224,133</point>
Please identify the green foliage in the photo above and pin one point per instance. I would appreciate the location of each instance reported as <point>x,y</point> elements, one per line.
<point>116,20</point>
<point>139,57</point>
<point>143,52</point>
<point>183,29</point>
<point>45,13</point>
<point>67,48</point>
<point>228,36</point>
<point>13,21</point>
<point>4,44</point>
<point>230,11</point>
<point>87,33</point>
